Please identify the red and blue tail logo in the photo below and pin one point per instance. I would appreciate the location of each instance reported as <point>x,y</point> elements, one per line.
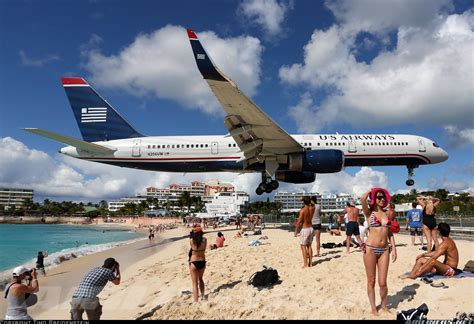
<point>97,120</point>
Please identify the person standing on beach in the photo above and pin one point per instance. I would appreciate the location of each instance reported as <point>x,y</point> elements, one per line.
<point>85,297</point>
<point>429,205</point>
<point>415,222</point>
<point>306,235</point>
<point>316,223</point>
<point>40,262</point>
<point>16,293</point>
<point>352,226</point>
<point>380,244</point>
<point>197,261</point>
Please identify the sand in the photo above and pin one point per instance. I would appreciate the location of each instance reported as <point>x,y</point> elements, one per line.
<point>156,283</point>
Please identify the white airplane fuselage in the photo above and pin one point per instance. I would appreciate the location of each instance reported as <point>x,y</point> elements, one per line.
<point>221,153</point>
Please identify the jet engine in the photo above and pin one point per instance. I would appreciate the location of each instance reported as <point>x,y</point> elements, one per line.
<point>317,161</point>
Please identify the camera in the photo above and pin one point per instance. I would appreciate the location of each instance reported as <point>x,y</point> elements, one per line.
<point>28,275</point>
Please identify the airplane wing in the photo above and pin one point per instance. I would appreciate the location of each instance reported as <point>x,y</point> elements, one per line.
<point>82,145</point>
<point>256,134</point>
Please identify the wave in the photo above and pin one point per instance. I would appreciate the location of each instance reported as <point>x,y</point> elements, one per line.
<point>56,258</point>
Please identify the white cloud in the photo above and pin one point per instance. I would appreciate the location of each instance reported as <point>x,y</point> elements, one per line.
<point>426,78</point>
<point>36,62</point>
<point>379,16</point>
<point>269,14</point>
<point>459,137</point>
<point>161,63</point>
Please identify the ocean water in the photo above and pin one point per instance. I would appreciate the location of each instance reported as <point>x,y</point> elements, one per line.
<point>20,243</point>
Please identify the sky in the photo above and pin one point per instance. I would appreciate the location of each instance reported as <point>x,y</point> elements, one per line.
<point>315,67</point>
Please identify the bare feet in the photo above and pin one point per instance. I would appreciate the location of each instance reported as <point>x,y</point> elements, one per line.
<point>386,309</point>
<point>375,312</point>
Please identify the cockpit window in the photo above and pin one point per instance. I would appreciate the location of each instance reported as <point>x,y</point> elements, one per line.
<point>435,145</point>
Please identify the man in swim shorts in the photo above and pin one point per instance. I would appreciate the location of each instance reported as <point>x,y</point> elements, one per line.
<point>427,262</point>
<point>306,235</point>
<point>352,227</point>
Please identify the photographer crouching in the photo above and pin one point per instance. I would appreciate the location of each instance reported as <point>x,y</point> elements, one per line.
<point>85,297</point>
<point>17,293</point>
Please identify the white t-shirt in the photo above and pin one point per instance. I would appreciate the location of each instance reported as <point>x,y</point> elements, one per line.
<point>363,231</point>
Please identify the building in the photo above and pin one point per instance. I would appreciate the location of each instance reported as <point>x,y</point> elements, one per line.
<point>114,206</point>
<point>10,197</point>
<point>228,204</point>
<point>291,201</point>
<point>170,195</point>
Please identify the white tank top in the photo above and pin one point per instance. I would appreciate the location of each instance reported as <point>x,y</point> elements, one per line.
<point>316,215</point>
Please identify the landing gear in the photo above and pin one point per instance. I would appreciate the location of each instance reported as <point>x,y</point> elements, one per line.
<point>410,181</point>
<point>267,185</point>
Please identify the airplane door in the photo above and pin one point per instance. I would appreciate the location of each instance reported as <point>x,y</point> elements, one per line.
<point>422,145</point>
<point>214,148</point>
<point>136,148</point>
<point>352,146</point>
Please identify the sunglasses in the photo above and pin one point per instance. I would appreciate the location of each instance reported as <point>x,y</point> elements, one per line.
<point>381,197</point>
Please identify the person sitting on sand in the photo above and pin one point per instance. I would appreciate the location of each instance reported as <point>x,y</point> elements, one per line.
<point>197,261</point>
<point>306,238</point>
<point>219,241</point>
<point>336,226</point>
<point>427,262</point>
<point>238,234</point>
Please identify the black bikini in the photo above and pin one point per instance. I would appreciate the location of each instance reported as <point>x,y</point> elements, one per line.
<point>199,264</point>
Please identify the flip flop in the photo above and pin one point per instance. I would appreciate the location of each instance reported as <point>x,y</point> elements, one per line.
<point>438,285</point>
<point>427,280</point>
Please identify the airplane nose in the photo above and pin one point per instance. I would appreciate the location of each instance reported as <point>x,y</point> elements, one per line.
<point>444,155</point>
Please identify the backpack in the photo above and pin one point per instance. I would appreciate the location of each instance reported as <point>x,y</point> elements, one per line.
<point>413,313</point>
<point>265,277</point>
<point>395,228</point>
<point>469,267</point>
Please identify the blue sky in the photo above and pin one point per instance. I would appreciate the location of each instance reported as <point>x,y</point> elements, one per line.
<point>402,67</point>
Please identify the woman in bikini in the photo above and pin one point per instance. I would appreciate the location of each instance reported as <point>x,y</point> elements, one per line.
<point>429,205</point>
<point>380,243</point>
<point>197,261</point>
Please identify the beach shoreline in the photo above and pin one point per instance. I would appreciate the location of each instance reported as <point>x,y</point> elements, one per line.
<point>156,283</point>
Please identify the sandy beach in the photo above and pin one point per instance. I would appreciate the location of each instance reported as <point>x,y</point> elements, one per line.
<point>156,283</point>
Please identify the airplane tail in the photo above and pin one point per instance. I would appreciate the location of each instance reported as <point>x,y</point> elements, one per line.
<point>97,120</point>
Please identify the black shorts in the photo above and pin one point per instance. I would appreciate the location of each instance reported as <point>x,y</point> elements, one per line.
<point>317,226</point>
<point>415,231</point>
<point>352,228</point>
<point>429,221</point>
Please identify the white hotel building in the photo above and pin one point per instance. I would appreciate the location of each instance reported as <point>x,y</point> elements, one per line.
<point>291,201</point>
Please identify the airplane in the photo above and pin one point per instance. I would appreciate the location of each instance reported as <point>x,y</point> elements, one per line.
<point>254,143</point>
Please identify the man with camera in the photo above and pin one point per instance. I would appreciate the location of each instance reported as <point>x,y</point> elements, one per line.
<point>85,297</point>
<point>17,293</point>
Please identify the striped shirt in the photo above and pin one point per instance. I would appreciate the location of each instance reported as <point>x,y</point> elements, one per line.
<point>94,281</point>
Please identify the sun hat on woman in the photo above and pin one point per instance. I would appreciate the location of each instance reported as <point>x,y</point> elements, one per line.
<point>373,191</point>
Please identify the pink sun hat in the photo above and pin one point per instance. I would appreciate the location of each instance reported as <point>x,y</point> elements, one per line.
<point>373,191</point>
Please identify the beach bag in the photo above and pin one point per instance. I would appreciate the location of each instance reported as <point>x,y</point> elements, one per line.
<point>469,267</point>
<point>395,228</point>
<point>413,313</point>
<point>265,277</point>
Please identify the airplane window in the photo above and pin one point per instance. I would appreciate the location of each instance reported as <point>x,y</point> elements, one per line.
<point>206,145</point>
<point>406,143</point>
<point>202,145</point>
<point>229,144</point>
<point>153,146</point>
<point>192,145</point>
<point>177,146</point>
<point>157,146</point>
<point>172,146</point>
<point>435,145</point>
<point>343,144</point>
<point>149,146</point>
<point>318,144</point>
<point>187,145</point>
